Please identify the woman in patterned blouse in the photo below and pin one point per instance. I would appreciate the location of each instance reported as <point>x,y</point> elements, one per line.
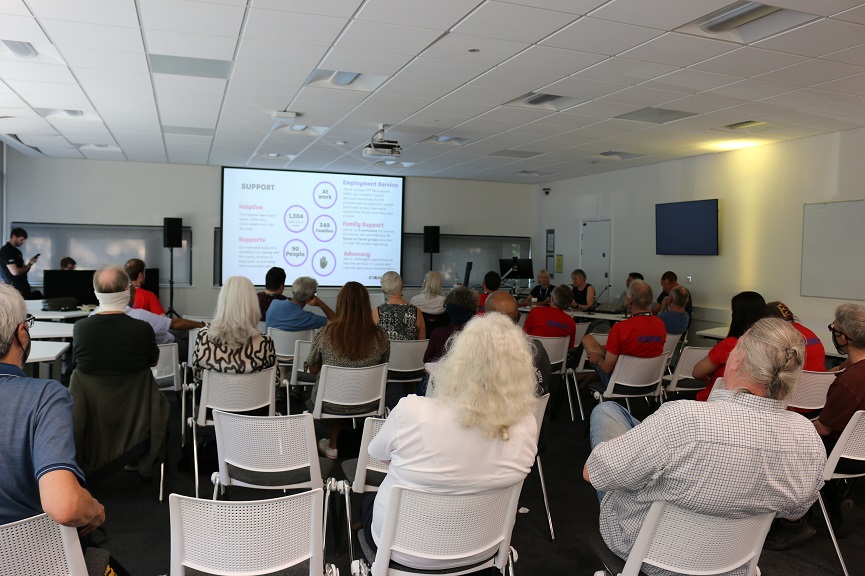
<point>352,340</point>
<point>399,319</point>
<point>232,342</point>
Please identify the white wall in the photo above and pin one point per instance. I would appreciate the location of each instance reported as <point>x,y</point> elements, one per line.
<point>100,192</point>
<point>761,193</point>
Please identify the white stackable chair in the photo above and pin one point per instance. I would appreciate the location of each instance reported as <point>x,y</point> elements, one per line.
<point>447,527</point>
<point>267,452</point>
<point>262,327</point>
<point>167,369</point>
<point>284,341</point>
<point>690,357</point>
<point>351,387</point>
<point>405,365</point>
<point>670,346</point>
<point>363,474</point>
<point>850,446</point>
<point>540,410</point>
<point>643,376</point>
<point>186,386</point>
<point>299,377</point>
<point>810,391</point>
<point>230,392</point>
<point>276,534</point>
<point>687,542</point>
<point>39,545</point>
<point>582,367</point>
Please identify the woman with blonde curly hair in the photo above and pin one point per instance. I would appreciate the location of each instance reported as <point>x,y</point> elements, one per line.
<point>477,432</point>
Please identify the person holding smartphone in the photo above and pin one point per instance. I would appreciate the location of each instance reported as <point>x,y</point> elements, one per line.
<point>14,270</point>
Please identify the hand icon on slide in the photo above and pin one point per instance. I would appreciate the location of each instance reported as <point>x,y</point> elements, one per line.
<point>322,262</point>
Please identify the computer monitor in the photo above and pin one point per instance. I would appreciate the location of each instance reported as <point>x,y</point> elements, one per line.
<point>79,284</point>
<point>516,268</point>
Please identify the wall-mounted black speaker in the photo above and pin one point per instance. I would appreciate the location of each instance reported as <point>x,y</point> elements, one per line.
<point>172,232</point>
<point>431,239</point>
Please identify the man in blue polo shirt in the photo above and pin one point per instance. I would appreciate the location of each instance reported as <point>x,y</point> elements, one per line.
<point>289,314</point>
<point>37,450</point>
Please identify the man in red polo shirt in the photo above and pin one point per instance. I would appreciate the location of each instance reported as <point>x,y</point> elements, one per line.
<point>553,321</point>
<point>642,335</point>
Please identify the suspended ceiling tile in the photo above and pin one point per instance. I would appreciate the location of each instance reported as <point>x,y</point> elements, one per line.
<point>691,81</point>
<point>856,15</point>
<point>625,71</point>
<point>641,96</point>
<point>549,60</point>
<point>679,50</point>
<point>108,12</point>
<point>748,62</point>
<point>490,51</point>
<point>600,36</point>
<point>14,7</point>
<point>192,17</point>
<point>576,87</point>
<point>305,28</point>
<point>811,72</point>
<point>438,15</point>
<point>511,79</point>
<point>661,14</point>
<point>839,108</point>
<point>104,59</point>
<point>751,89</point>
<point>21,70</point>
<point>821,8</point>
<point>364,61</point>
<point>96,36</point>
<point>22,29</point>
<point>205,46</point>
<point>855,55</point>
<point>442,72</point>
<point>513,22</point>
<point>816,38</point>
<point>601,109</point>
<point>804,98</point>
<point>341,8</point>
<point>408,40</point>
<point>252,51</point>
<point>853,85</point>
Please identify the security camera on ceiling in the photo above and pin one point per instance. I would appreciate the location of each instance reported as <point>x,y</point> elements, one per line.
<point>381,149</point>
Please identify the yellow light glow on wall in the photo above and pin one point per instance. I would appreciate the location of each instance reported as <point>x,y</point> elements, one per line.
<point>727,145</point>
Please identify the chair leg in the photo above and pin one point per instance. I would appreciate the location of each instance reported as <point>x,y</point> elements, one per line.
<point>329,485</point>
<point>183,416</point>
<point>579,400</point>
<point>195,455</point>
<point>346,488</point>
<point>546,500</point>
<point>832,534</point>
<point>570,400</point>
<point>161,479</point>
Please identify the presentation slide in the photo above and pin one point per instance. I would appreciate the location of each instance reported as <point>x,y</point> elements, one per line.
<point>333,227</point>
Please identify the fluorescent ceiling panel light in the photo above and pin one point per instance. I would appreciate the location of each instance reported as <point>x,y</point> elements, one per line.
<point>341,78</point>
<point>21,49</point>
<point>182,66</point>
<point>539,98</point>
<point>297,127</point>
<point>544,101</point>
<point>736,15</point>
<point>744,125</point>
<point>655,115</point>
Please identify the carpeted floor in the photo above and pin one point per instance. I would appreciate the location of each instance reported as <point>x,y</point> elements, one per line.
<point>137,526</point>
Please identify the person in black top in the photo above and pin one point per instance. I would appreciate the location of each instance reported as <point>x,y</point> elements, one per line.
<point>14,271</point>
<point>669,281</point>
<point>543,290</point>
<point>584,293</point>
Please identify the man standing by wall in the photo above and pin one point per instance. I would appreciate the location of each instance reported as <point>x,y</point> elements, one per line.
<point>14,270</point>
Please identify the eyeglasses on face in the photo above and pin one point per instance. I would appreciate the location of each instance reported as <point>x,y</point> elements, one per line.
<point>30,319</point>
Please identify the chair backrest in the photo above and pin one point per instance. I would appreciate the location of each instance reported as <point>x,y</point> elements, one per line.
<point>365,462</point>
<point>284,340</point>
<point>167,369</point>
<point>670,345</point>
<point>690,357</point>
<point>582,328</point>
<point>642,375</point>
<point>267,451</point>
<point>38,545</point>
<point>850,445</point>
<point>193,336</point>
<point>232,392</point>
<point>406,355</point>
<point>584,365</point>
<point>301,353</point>
<point>687,542</point>
<point>557,350</point>
<point>277,534</point>
<point>351,387</point>
<point>541,409</point>
<point>810,391</point>
<point>448,526</point>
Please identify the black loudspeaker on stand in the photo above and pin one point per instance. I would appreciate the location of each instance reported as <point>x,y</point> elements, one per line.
<point>431,242</point>
<point>172,237</point>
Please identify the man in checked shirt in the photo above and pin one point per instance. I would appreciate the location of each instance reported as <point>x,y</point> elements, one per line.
<point>739,454</point>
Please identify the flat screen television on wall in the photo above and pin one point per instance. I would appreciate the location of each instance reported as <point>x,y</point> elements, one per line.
<point>687,228</point>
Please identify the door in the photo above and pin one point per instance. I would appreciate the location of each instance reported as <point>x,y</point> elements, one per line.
<point>595,255</point>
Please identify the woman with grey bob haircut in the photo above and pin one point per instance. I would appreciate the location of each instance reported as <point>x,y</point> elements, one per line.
<point>430,300</point>
<point>399,319</point>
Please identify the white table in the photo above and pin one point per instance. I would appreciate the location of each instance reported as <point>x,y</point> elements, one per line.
<point>583,314</point>
<point>59,316</point>
<point>47,355</point>
<point>50,330</point>
<point>720,333</point>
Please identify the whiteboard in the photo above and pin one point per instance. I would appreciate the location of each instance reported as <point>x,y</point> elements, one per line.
<point>833,250</point>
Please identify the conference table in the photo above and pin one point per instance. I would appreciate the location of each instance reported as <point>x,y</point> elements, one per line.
<point>720,332</point>
<point>42,330</point>
<point>57,316</point>
<point>48,356</point>
<point>582,314</point>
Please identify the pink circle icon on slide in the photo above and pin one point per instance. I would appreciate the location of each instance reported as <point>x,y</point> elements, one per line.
<point>324,194</point>
<point>295,253</point>
<point>324,228</point>
<point>296,218</point>
<point>320,263</point>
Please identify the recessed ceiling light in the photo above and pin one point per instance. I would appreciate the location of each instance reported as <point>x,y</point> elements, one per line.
<point>744,125</point>
<point>727,145</point>
<point>74,113</point>
<point>298,127</point>
<point>390,162</point>
<point>540,98</point>
<point>272,155</point>
<point>736,15</point>
<point>342,78</point>
<point>341,142</point>
<point>444,138</point>
<point>655,115</point>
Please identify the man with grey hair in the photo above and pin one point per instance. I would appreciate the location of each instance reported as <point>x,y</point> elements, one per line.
<point>552,321</point>
<point>642,335</point>
<point>110,342</point>
<point>740,454</point>
<point>289,314</point>
<point>674,317</point>
<point>37,450</point>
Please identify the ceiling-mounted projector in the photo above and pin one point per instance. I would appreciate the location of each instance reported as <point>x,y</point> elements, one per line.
<point>381,149</point>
